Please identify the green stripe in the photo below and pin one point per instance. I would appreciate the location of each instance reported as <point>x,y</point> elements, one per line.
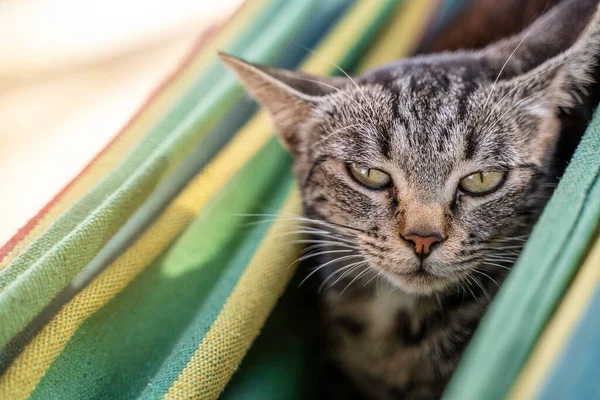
<point>125,189</point>
<point>282,363</point>
<point>147,320</point>
<point>164,379</point>
<point>536,284</point>
<point>161,196</point>
<point>80,210</point>
<point>113,354</point>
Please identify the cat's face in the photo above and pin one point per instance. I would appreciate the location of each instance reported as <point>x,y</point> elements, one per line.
<point>429,170</point>
<point>428,178</point>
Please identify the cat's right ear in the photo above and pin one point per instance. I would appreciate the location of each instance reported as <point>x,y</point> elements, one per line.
<point>289,97</point>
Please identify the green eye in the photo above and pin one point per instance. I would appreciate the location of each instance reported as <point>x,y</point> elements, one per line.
<point>370,177</point>
<point>481,183</point>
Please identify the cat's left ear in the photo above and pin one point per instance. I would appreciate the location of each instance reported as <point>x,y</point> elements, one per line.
<point>289,97</point>
<point>558,82</point>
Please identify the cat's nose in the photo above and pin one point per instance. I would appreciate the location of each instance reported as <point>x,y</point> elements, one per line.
<point>423,243</point>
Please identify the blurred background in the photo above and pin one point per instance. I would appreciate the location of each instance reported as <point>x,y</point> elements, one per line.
<point>72,73</point>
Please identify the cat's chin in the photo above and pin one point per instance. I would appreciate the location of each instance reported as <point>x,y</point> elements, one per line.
<point>418,283</point>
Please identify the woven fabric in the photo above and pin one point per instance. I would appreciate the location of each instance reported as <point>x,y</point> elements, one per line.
<point>175,314</point>
<point>106,160</point>
<point>241,317</point>
<point>190,281</point>
<point>403,36</point>
<point>560,329</point>
<point>31,365</point>
<point>58,349</point>
<point>48,265</point>
<point>575,375</point>
<point>534,288</point>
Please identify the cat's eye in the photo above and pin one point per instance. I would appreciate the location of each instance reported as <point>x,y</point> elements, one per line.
<point>481,183</point>
<point>370,177</point>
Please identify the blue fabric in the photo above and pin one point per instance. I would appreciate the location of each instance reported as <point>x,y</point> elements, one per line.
<point>576,374</point>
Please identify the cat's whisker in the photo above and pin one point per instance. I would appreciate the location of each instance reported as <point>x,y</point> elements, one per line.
<point>496,265</point>
<point>495,124</point>
<point>462,288</point>
<point>323,234</point>
<point>335,132</point>
<point>485,293</point>
<point>330,224</point>
<point>320,253</point>
<point>468,277</point>
<point>329,244</point>
<point>377,274</point>
<point>509,247</point>
<point>504,66</point>
<point>500,257</point>
<point>346,94</point>
<point>378,283</point>
<point>478,271</point>
<point>352,281</point>
<point>513,90</point>
<point>522,238</point>
<point>338,228</point>
<point>347,76</point>
<point>335,260</point>
<point>346,271</point>
<point>518,103</point>
<point>324,243</point>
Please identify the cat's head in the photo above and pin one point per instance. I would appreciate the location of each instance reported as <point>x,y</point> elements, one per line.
<point>429,168</point>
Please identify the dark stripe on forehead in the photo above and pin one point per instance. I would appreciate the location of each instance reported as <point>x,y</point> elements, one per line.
<point>384,144</point>
<point>395,105</point>
<point>462,100</point>
<point>470,144</point>
<point>384,139</point>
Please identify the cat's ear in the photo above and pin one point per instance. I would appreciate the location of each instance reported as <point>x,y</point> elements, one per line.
<point>563,78</point>
<point>289,97</point>
<point>553,33</point>
<point>561,82</point>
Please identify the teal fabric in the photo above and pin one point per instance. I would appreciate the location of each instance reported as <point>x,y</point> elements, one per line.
<point>282,363</point>
<point>153,326</point>
<point>37,276</point>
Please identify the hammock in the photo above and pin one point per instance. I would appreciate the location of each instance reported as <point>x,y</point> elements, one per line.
<point>143,277</point>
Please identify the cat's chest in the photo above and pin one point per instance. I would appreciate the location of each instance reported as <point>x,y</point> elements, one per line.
<point>386,340</point>
<point>380,314</point>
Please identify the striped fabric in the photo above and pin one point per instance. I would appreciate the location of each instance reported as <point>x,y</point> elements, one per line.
<point>146,278</point>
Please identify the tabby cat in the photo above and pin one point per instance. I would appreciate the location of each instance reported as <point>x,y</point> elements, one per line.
<point>422,180</point>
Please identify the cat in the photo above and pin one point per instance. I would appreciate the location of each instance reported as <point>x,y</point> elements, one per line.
<point>422,180</point>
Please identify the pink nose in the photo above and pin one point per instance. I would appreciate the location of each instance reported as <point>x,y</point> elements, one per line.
<point>423,244</point>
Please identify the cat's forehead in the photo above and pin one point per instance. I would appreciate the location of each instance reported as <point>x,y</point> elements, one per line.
<point>408,106</point>
<point>436,74</point>
<point>423,117</point>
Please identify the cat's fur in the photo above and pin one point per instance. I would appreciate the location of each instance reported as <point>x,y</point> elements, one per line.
<point>397,324</point>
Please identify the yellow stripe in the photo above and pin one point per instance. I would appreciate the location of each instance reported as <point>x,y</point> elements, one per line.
<point>123,144</point>
<point>31,365</point>
<point>560,328</point>
<point>402,36</point>
<point>244,313</point>
<point>26,371</point>
<point>265,279</point>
